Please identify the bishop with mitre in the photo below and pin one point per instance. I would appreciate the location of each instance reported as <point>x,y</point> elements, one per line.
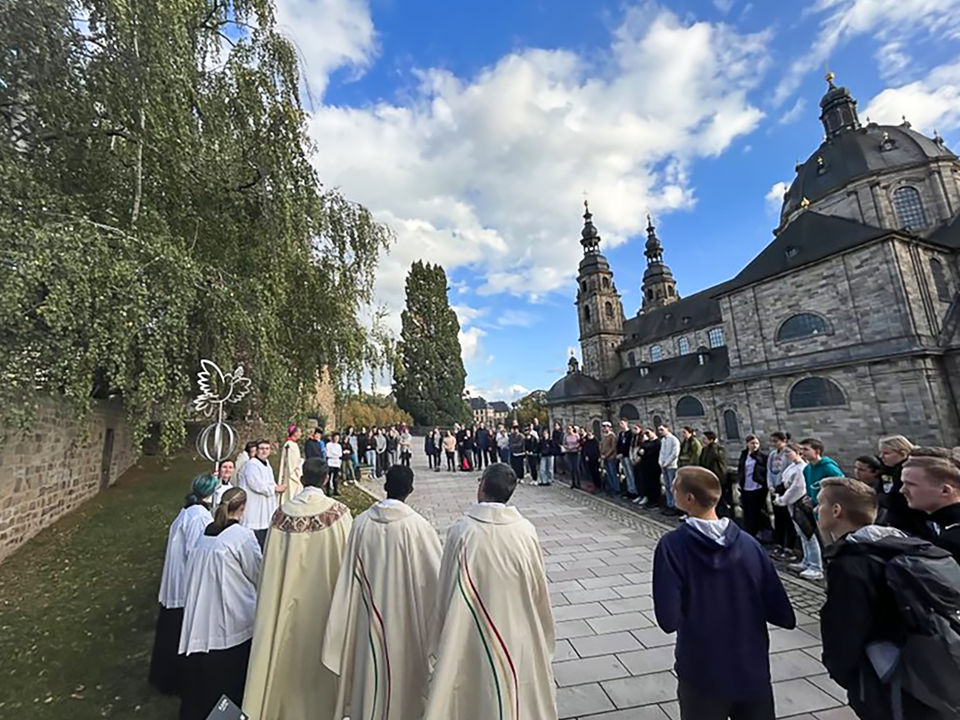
<point>378,634</point>
<point>286,679</point>
<point>493,626</point>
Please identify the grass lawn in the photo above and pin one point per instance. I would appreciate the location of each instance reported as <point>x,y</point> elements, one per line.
<point>78,602</point>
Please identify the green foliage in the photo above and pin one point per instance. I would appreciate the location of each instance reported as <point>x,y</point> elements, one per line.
<point>429,375</point>
<point>532,406</point>
<point>372,411</point>
<point>158,205</point>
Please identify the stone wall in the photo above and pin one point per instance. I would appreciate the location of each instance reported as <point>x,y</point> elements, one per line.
<point>59,464</point>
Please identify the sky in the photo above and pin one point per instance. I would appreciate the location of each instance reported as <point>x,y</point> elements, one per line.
<point>475,130</point>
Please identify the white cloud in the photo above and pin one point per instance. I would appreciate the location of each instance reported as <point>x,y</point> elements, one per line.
<point>488,170</point>
<point>470,346</point>
<point>929,104</point>
<point>499,390</point>
<point>892,60</point>
<point>723,6</point>
<point>886,20</point>
<point>517,318</point>
<point>794,113</point>
<point>328,34</point>
<point>467,314</point>
<point>774,198</point>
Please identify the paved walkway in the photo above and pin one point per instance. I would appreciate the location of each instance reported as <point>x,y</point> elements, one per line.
<point>612,662</point>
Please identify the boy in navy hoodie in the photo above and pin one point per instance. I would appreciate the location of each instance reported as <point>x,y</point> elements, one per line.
<point>715,586</point>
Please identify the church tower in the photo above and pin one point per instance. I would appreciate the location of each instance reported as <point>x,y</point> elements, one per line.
<point>598,306</point>
<point>659,287</point>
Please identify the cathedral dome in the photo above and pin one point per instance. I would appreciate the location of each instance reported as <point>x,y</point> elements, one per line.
<point>844,158</point>
<point>575,385</point>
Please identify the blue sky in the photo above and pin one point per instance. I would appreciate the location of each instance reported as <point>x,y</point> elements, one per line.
<point>475,129</point>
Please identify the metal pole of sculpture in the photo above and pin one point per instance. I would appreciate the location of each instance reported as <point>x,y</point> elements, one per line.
<point>218,441</point>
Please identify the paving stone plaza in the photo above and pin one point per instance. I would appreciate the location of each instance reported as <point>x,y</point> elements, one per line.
<point>612,662</point>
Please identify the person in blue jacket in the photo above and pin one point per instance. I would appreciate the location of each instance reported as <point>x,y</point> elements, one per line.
<point>714,586</point>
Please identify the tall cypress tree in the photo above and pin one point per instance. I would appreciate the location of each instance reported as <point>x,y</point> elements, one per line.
<point>429,379</point>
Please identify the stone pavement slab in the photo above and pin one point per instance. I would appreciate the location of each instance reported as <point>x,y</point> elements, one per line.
<point>612,662</point>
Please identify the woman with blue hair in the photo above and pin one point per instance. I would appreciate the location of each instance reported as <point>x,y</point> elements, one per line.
<point>165,665</point>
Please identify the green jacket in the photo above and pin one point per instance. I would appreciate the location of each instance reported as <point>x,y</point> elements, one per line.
<point>689,451</point>
<point>814,475</point>
<point>713,457</point>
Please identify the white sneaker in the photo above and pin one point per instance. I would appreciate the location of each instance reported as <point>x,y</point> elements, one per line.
<point>811,574</point>
<point>642,501</point>
<point>797,567</point>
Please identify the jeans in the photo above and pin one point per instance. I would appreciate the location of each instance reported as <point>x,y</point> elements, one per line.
<point>371,459</point>
<point>504,455</point>
<point>450,466</point>
<point>573,467</point>
<point>533,466</point>
<point>546,469</point>
<point>613,480</point>
<point>668,475</point>
<point>812,556</point>
<point>628,473</point>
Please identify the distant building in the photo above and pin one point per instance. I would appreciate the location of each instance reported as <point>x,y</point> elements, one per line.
<point>482,412</point>
<point>845,327</point>
<point>500,411</point>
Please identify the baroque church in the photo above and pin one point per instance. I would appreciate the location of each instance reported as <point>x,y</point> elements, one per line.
<point>845,327</point>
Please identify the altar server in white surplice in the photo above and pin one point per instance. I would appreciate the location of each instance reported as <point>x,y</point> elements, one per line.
<point>378,634</point>
<point>263,492</point>
<point>287,680</point>
<point>166,666</point>
<point>221,601</point>
<point>494,628</point>
<point>291,464</point>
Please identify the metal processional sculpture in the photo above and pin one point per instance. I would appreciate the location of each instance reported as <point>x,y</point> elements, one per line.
<point>218,441</point>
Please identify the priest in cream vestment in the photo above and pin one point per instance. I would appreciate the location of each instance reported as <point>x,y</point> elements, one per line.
<point>286,679</point>
<point>290,464</point>
<point>378,635</point>
<point>494,628</point>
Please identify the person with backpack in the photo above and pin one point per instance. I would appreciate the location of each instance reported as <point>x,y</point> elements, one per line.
<point>889,625</point>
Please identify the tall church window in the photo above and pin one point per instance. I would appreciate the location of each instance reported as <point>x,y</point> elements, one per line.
<point>689,406</point>
<point>657,421</point>
<point>631,359</point>
<point>813,392</point>
<point>596,428</point>
<point>629,412</point>
<point>909,208</point>
<point>940,280</point>
<point>731,425</point>
<point>683,346</point>
<point>800,326</point>
<point>586,313</point>
<point>715,336</point>
<point>656,353</point>
<point>608,309</point>
<point>606,283</point>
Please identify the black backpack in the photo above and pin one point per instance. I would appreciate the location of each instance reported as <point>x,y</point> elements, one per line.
<point>925,583</point>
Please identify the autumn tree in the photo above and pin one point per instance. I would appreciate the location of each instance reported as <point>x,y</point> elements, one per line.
<point>429,375</point>
<point>530,406</point>
<point>158,205</point>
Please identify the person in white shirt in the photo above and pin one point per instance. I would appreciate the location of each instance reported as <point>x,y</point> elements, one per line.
<point>223,571</point>
<point>794,497</point>
<point>249,451</point>
<point>669,453</point>
<point>225,473</point>
<point>263,492</point>
<point>334,461</point>
<point>166,667</point>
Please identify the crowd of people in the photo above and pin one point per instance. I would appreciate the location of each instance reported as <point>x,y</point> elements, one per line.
<point>327,616</point>
<point>273,595</point>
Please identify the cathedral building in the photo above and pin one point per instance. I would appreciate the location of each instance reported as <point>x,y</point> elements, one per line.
<point>845,327</point>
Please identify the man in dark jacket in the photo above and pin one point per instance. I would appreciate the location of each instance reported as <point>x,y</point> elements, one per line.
<point>313,447</point>
<point>931,483</point>
<point>650,470</point>
<point>482,439</point>
<point>716,588</point>
<point>624,438</point>
<point>713,457</point>
<point>752,477</point>
<point>860,615</point>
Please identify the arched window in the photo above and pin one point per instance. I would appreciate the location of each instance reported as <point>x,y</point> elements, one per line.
<point>629,412</point>
<point>731,426</point>
<point>649,294</point>
<point>606,282</point>
<point>815,392</point>
<point>689,406</point>
<point>909,208</point>
<point>656,353</point>
<point>940,280</point>
<point>608,309</point>
<point>631,359</point>
<point>800,326</point>
<point>586,313</point>
<point>657,421</point>
<point>596,428</point>
<point>583,285</point>
<point>683,346</point>
<point>715,336</point>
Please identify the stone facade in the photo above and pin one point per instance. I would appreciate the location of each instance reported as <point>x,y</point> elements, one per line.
<point>846,327</point>
<point>58,465</point>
